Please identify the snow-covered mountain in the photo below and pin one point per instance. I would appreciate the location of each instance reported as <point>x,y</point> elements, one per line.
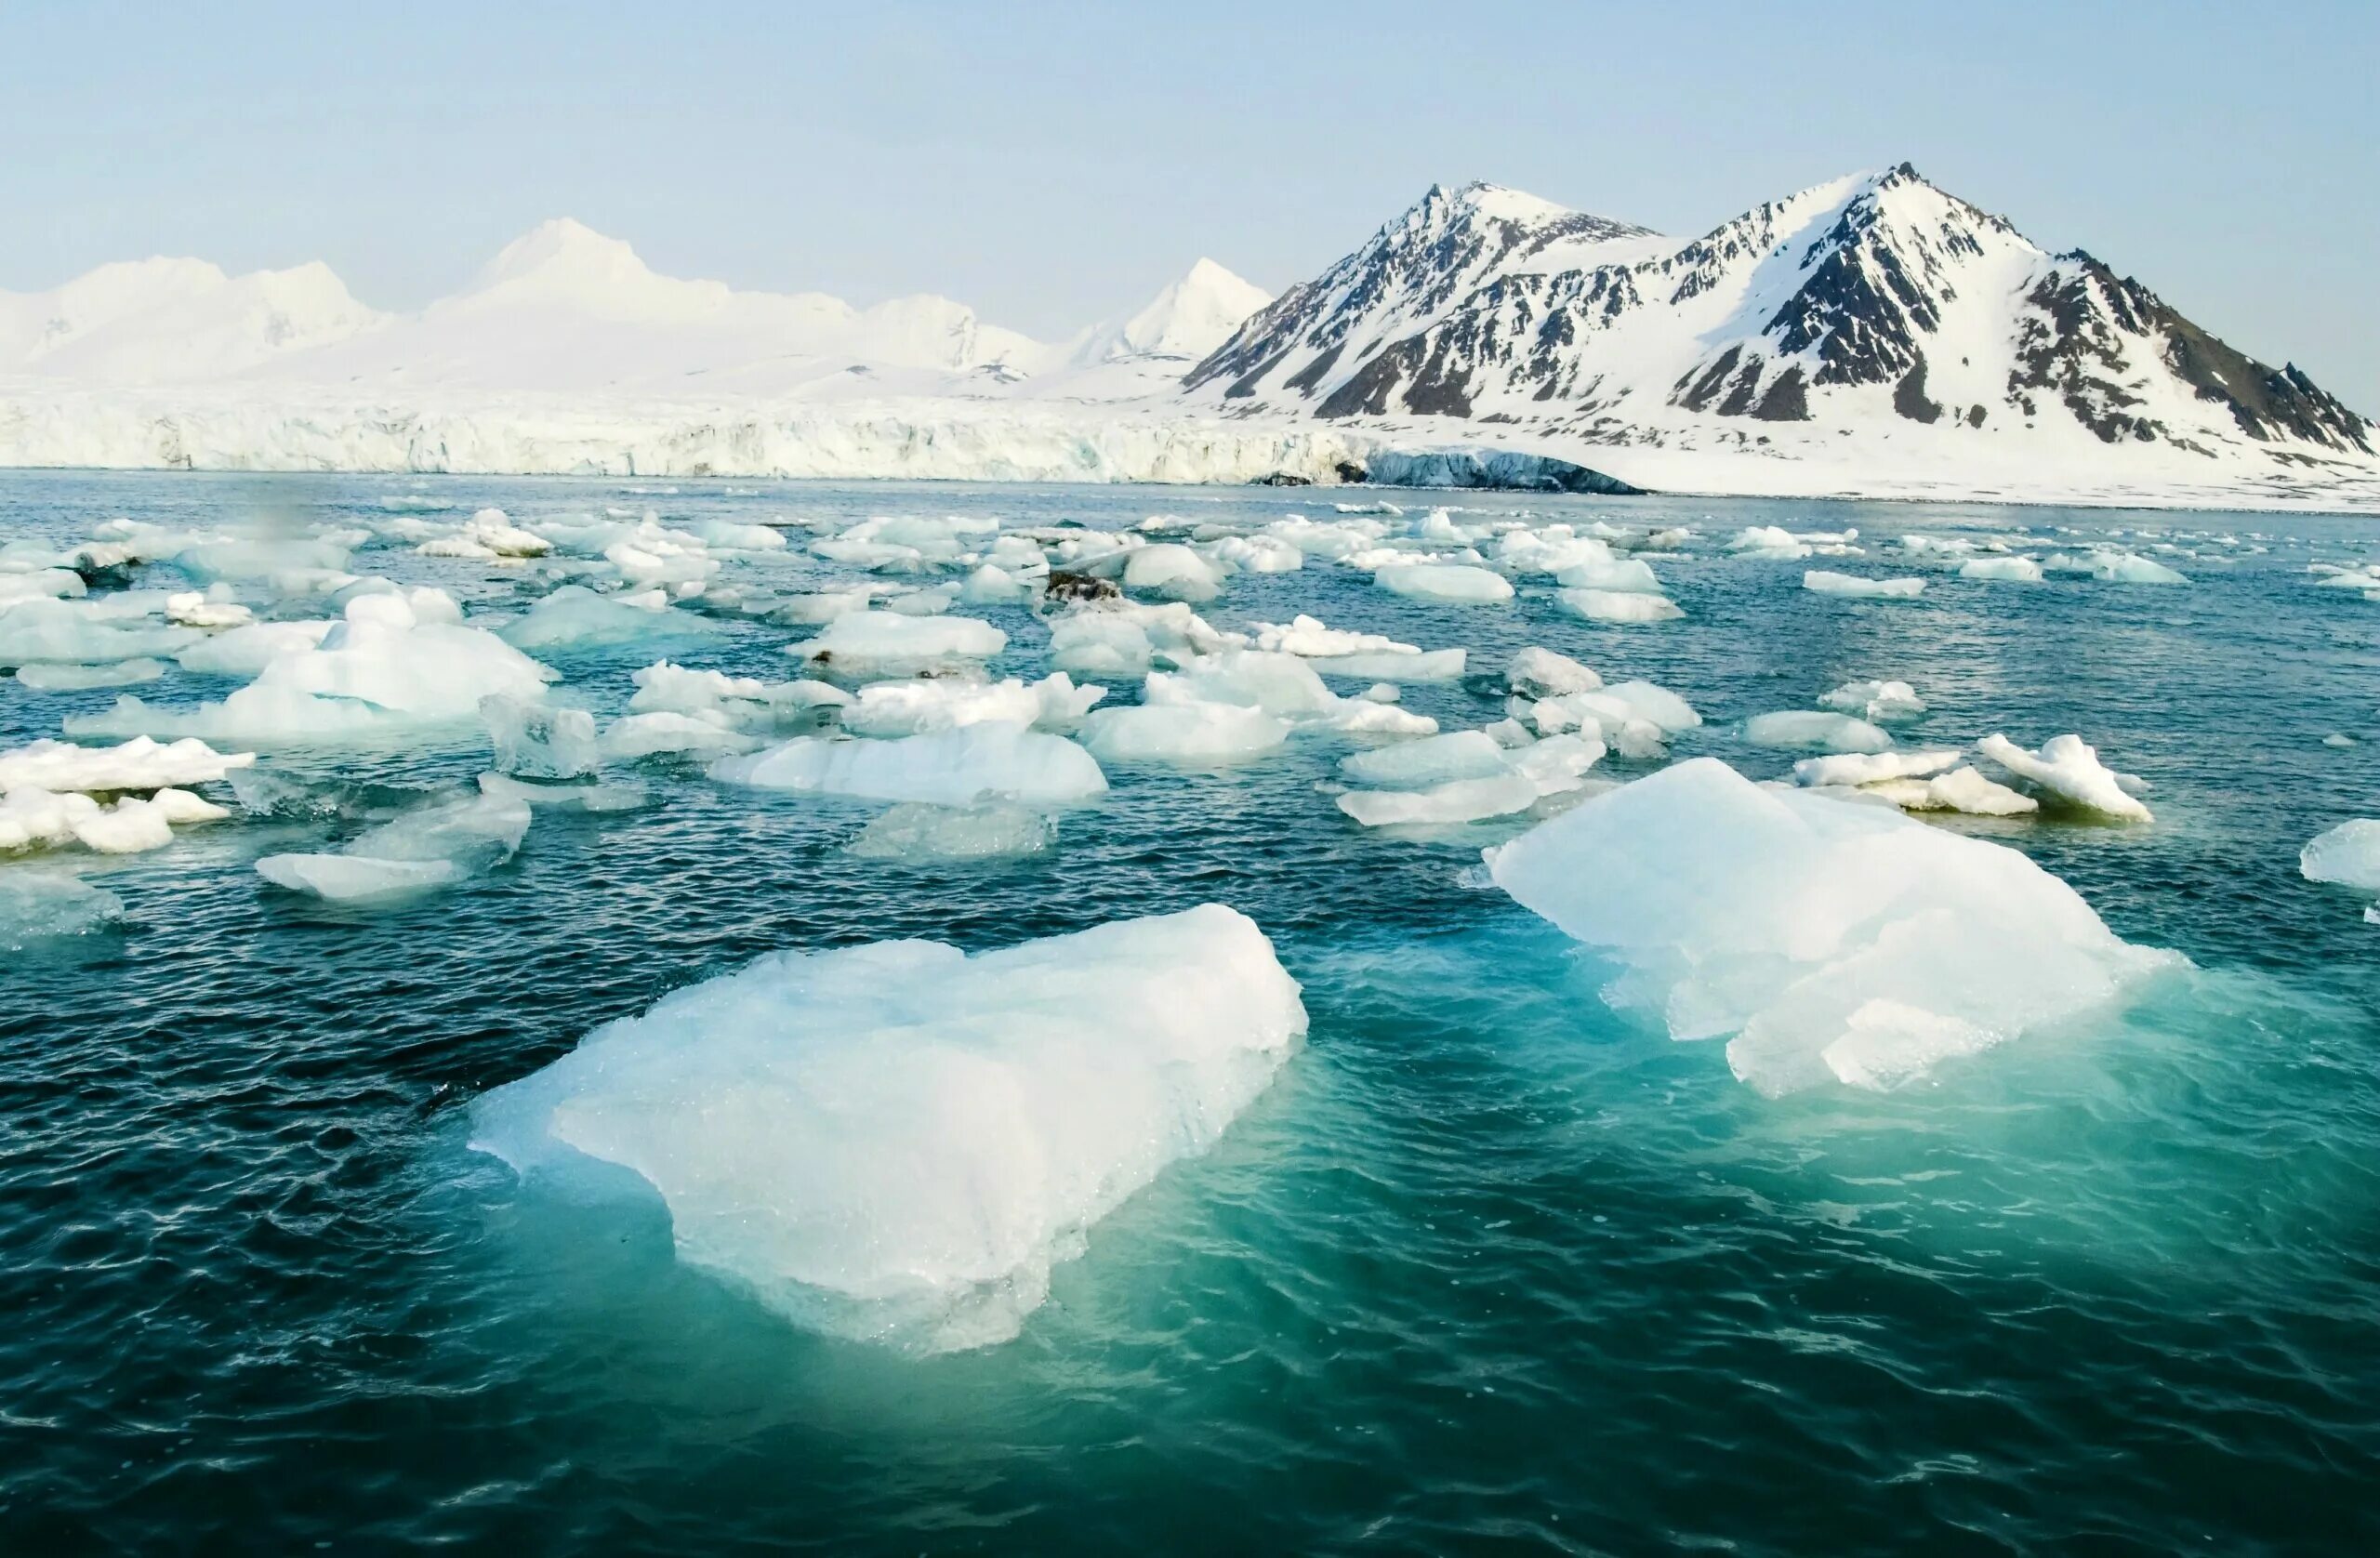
<point>161,320</point>
<point>1873,335</point>
<point>1189,319</point>
<point>1875,306</point>
<point>566,309</point>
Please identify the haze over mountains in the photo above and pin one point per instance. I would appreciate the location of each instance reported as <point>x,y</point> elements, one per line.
<point>1874,334</point>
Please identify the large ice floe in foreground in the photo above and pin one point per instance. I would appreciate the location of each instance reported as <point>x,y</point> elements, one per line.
<point>896,1142</point>
<point>1833,941</point>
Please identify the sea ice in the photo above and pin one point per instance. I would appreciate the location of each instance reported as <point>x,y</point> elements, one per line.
<point>1540,673</point>
<point>1825,583</point>
<point>1173,571</point>
<point>2347,854</point>
<point>40,907</point>
<point>434,847</point>
<point>137,764</point>
<point>59,677</point>
<point>1606,605</point>
<point>537,741</point>
<point>2011,570</point>
<point>1431,761</point>
<point>576,617</point>
<point>864,643</point>
<point>896,1142</point>
<point>1878,702</point>
<point>922,704</point>
<point>2066,766</point>
<point>1453,582</point>
<point>949,768</point>
<point>246,652</point>
<point>1192,732</point>
<point>1834,941</point>
<point>920,833</point>
<point>1814,728</point>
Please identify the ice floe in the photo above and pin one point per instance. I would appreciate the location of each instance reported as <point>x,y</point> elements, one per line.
<point>896,1142</point>
<point>1824,582</point>
<point>2070,768</point>
<point>947,767</point>
<point>1833,943</point>
<point>437,846</point>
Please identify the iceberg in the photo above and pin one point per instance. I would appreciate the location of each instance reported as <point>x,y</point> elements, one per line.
<point>1540,673</point>
<point>896,1143</point>
<point>1835,942</point>
<point>61,677</point>
<point>2347,854</point>
<point>1191,732</point>
<point>537,741</point>
<point>437,846</point>
<point>863,642</point>
<point>2007,570</point>
<point>917,705</point>
<point>1874,701</point>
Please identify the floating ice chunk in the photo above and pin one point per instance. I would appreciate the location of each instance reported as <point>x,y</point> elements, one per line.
<point>1173,571</point>
<point>35,908</point>
<point>991,585</point>
<point>576,617</point>
<point>137,764</point>
<point>1875,700</point>
<point>209,561</point>
<point>488,533</point>
<point>1257,554</point>
<point>1812,728</point>
<point>566,796</point>
<point>382,669</point>
<point>42,583</point>
<point>537,741</point>
<point>189,608</point>
<point>949,768</point>
<point>728,536</point>
<point>2011,570</point>
<point>1825,583</point>
<point>1540,673</point>
<point>1963,790</point>
<point>703,737</point>
<point>1608,573</point>
<point>895,1143</point>
<point>437,846</point>
<point>1605,605</point>
<point>1125,638</point>
<point>914,706</point>
<point>1655,703</point>
<point>57,677</point>
<point>2112,565</point>
<point>1434,760</point>
<point>652,557</point>
<point>1370,716</point>
<point>247,650</point>
<point>663,687</point>
<point>1835,942</point>
<point>133,826</point>
<point>80,632</point>
<point>1871,767</point>
<point>2068,767</point>
<point>2347,854</point>
<point>915,832</point>
<point>866,641</point>
<point>1308,637</point>
<point>1458,583</point>
<point>1189,731</point>
<point>1437,665</point>
<point>1280,684</point>
<point>342,879</point>
<point>1768,542</point>
<point>1457,800</point>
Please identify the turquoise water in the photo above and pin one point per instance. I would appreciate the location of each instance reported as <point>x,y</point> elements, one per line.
<point>1487,1267</point>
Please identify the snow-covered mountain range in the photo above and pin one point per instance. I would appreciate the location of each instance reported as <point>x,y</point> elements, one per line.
<point>1873,335</point>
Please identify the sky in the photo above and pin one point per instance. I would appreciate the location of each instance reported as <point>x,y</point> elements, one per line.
<point>1054,165</point>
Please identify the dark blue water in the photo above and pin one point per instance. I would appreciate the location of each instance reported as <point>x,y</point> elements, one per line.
<point>1486,1268</point>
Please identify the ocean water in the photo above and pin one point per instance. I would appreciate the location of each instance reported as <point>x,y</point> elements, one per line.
<point>1487,1268</point>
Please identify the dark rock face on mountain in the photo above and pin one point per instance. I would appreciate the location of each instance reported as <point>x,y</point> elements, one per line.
<point>1862,305</point>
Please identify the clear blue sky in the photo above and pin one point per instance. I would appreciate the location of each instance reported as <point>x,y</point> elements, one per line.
<point>1056,163</point>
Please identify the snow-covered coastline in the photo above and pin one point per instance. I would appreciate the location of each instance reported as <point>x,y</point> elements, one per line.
<point>975,439</point>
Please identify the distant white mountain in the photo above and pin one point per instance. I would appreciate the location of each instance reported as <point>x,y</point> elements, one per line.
<point>563,308</point>
<point>1189,319</point>
<point>155,320</point>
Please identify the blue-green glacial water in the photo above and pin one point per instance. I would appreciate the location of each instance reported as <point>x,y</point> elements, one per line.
<point>1488,1267</point>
